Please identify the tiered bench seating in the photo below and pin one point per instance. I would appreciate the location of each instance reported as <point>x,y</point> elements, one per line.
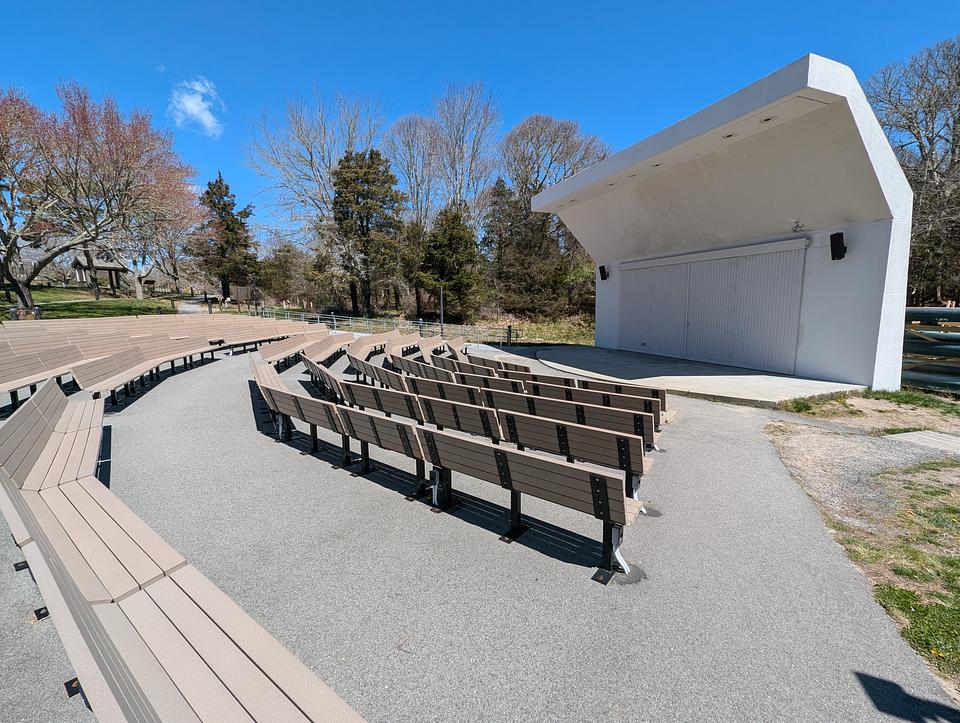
<point>469,438</point>
<point>149,637</point>
<point>105,354</point>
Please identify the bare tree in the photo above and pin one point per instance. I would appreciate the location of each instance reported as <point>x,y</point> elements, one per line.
<point>918,104</point>
<point>542,151</point>
<point>467,119</point>
<point>299,154</point>
<point>69,180</point>
<point>409,144</point>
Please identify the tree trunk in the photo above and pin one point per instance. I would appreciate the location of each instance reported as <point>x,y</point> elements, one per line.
<point>91,274</point>
<point>23,292</point>
<point>367,298</point>
<point>354,299</point>
<point>418,296</point>
<point>396,297</point>
<point>224,287</point>
<point>138,287</point>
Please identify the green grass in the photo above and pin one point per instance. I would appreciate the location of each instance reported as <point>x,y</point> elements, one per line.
<point>914,558</point>
<point>568,330</point>
<point>107,307</point>
<point>53,294</point>
<point>916,398</point>
<point>899,430</point>
<point>816,405</point>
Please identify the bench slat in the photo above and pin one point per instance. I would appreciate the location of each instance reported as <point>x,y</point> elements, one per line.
<point>109,570</point>
<point>162,554</point>
<point>200,687</point>
<point>134,560</point>
<point>317,700</point>
<point>255,692</point>
<point>161,692</point>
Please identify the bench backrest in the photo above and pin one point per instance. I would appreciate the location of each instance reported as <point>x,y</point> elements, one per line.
<point>469,418</point>
<point>488,382</point>
<point>576,441</point>
<point>387,401</point>
<point>543,378</point>
<point>581,487</point>
<point>391,434</point>
<point>623,388</point>
<point>18,366</point>
<point>650,405</point>
<point>390,379</point>
<point>591,415</point>
<point>484,362</point>
<point>444,390</point>
<point>329,381</point>
<point>426,371</point>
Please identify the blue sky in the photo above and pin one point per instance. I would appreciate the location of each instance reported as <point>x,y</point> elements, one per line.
<point>622,70</point>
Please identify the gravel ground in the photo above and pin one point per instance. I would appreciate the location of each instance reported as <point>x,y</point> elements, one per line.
<point>836,467</point>
<point>742,607</point>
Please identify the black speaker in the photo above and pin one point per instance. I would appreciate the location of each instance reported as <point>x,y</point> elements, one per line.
<point>837,248</point>
<point>603,273</point>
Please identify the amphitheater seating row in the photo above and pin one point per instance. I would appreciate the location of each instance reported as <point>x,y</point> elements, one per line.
<point>149,637</point>
<point>604,492</point>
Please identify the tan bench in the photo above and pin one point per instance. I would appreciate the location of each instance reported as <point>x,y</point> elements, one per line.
<point>592,415</point>
<point>459,393</point>
<point>328,350</point>
<point>490,382</point>
<point>418,369</point>
<point>591,489</point>
<point>650,405</point>
<point>585,488</point>
<point>388,401</point>
<point>469,418</point>
<point>149,637</point>
<point>455,366</point>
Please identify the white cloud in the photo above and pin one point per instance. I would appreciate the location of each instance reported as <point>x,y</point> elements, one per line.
<point>161,69</point>
<point>192,105</point>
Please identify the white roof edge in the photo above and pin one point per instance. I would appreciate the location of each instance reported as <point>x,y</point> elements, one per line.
<point>810,71</point>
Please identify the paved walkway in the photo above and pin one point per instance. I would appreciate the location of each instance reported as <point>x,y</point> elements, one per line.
<point>937,440</point>
<point>745,608</point>
<point>682,376</point>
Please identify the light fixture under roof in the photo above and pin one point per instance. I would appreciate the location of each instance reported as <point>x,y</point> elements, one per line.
<point>632,175</point>
<point>611,184</point>
<point>656,165</point>
<point>729,135</point>
<point>768,119</point>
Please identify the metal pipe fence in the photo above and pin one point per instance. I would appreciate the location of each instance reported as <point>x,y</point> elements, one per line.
<point>496,336</point>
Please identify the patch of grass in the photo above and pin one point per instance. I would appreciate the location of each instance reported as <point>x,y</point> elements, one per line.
<point>933,629</point>
<point>915,398</point>
<point>913,557</point>
<point>53,294</point>
<point>568,330</point>
<point>899,430</point>
<point>107,307</point>
<point>818,405</point>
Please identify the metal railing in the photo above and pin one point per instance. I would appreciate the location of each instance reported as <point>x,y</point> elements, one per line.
<point>497,336</point>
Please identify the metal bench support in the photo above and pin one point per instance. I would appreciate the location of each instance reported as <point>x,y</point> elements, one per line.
<point>517,527</point>
<point>612,561</point>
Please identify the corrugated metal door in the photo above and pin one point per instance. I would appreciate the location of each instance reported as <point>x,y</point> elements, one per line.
<point>744,310</point>
<point>653,310</point>
<point>740,307</point>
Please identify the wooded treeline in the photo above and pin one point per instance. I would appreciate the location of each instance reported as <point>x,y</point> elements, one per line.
<point>918,104</point>
<point>387,216</point>
<point>378,218</point>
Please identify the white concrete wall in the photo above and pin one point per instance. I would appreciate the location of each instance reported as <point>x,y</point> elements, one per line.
<point>851,311</point>
<point>607,332</point>
<point>841,306</point>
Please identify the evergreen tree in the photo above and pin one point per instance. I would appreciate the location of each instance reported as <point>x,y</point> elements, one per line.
<point>225,251</point>
<point>366,211</point>
<point>451,259</point>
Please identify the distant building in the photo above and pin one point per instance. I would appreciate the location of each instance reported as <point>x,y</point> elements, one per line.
<point>113,271</point>
<point>770,230</point>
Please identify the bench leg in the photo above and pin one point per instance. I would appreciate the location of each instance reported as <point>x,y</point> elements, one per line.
<point>113,397</point>
<point>14,400</point>
<point>286,425</point>
<point>313,438</point>
<point>60,382</point>
<point>345,444</point>
<point>517,527</point>
<point>612,561</point>
<point>364,457</point>
<point>442,488</point>
<point>33,389</point>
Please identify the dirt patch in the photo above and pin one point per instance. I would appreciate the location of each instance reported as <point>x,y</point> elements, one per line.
<point>881,416</point>
<point>895,508</point>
